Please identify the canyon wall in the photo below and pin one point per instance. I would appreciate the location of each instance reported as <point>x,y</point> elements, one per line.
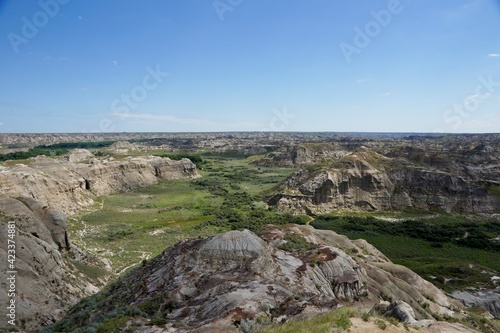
<point>36,196</point>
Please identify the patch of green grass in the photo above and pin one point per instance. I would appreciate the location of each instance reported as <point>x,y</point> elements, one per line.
<point>324,323</point>
<point>435,248</point>
<point>494,189</point>
<point>112,325</point>
<point>296,242</point>
<point>129,227</point>
<point>381,324</point>
<point>92,272</point>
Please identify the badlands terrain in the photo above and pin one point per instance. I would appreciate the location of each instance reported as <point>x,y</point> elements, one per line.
<point>252,232</point>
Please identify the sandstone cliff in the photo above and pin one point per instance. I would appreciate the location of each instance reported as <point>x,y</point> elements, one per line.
<point>367,180</point>
<point>213,285</point>
<point>36,196</point>
<point>68,186</point>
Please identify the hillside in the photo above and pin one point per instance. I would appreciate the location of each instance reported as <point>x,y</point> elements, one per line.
<point>237,279</point>
<point>36,197</point>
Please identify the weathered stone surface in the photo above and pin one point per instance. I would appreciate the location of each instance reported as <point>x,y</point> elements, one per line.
<point>217,282</point>
<point>46,282</point>
<point>359,185</point>
<point>489,300</point>
<point>36,196</point>
<point>68,187</point>
<point>79,155</point>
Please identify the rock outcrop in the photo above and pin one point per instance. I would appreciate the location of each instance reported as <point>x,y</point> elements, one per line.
<point>215,284</point>
<point>489,300</point>
<point>52,273</point>
<point>68,186</point>
<point>49,268</point>
<point>358,184</point>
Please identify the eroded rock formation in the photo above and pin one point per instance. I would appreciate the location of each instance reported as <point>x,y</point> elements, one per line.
<point>52,272</point>
<point>214,284</point>
<point>370,181</point>
<point>68,186</point>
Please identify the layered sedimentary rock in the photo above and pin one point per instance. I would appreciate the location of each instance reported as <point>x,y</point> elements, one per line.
<point>214,284</point>
<point>52,273</point>
<point>68,186</point>
<point>489,300</point>
<point>371,181</point>
<point>47,279</point>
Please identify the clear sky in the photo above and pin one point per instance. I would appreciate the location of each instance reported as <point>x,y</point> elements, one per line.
<point>249,65</point>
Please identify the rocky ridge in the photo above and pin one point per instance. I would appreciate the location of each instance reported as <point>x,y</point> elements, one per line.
<point>213,285</point>
<point>69,186</point>
<point>37,196</point>
<point>330,179</point>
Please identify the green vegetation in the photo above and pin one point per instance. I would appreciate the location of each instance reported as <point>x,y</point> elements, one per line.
<point>195,158</point>
<point>112,325</point>
<point>129,227</point>
<point>57,149</point>
<point>295,242</point>
<point>495,190</point>
<point>438,231</point>
<point>73,145</point>
<point>92,272</point>
<point>33,152</point>
<point>323,323</point>
<point>381,324</point>
<point>453,252</point>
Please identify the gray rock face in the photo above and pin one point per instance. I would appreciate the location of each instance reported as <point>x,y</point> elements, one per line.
<point>68,187</point>
<point>402,311</point>
<point>79,155</point>
<point>46,281</point>
<point>51,271</point>
<point>359,185</point>
<point>489,300</point>
<point>215,283</point>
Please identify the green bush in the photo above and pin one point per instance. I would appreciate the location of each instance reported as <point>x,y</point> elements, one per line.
<point>381,324</point>
<point>343,322</point>
<point>296,242</point>
<point>113,325</point>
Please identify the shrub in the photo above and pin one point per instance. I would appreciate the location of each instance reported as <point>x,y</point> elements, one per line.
<point>112,325</point>
<point>366,316</point>
<point>343,322</point>
<point>381,324</point>
<point>296,242</point>
<point>247,326</point>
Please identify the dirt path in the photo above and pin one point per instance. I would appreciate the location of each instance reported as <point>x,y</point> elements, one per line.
<point>310,220</point>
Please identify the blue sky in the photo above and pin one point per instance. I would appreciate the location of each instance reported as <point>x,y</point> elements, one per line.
<point>250,65</point>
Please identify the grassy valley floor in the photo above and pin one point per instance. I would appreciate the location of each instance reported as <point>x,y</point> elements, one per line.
<point>126,228</point>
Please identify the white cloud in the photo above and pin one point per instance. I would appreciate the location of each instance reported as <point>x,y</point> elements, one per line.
<point>385,94</point>
<point>494,55</point>
<point>362,81</point>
